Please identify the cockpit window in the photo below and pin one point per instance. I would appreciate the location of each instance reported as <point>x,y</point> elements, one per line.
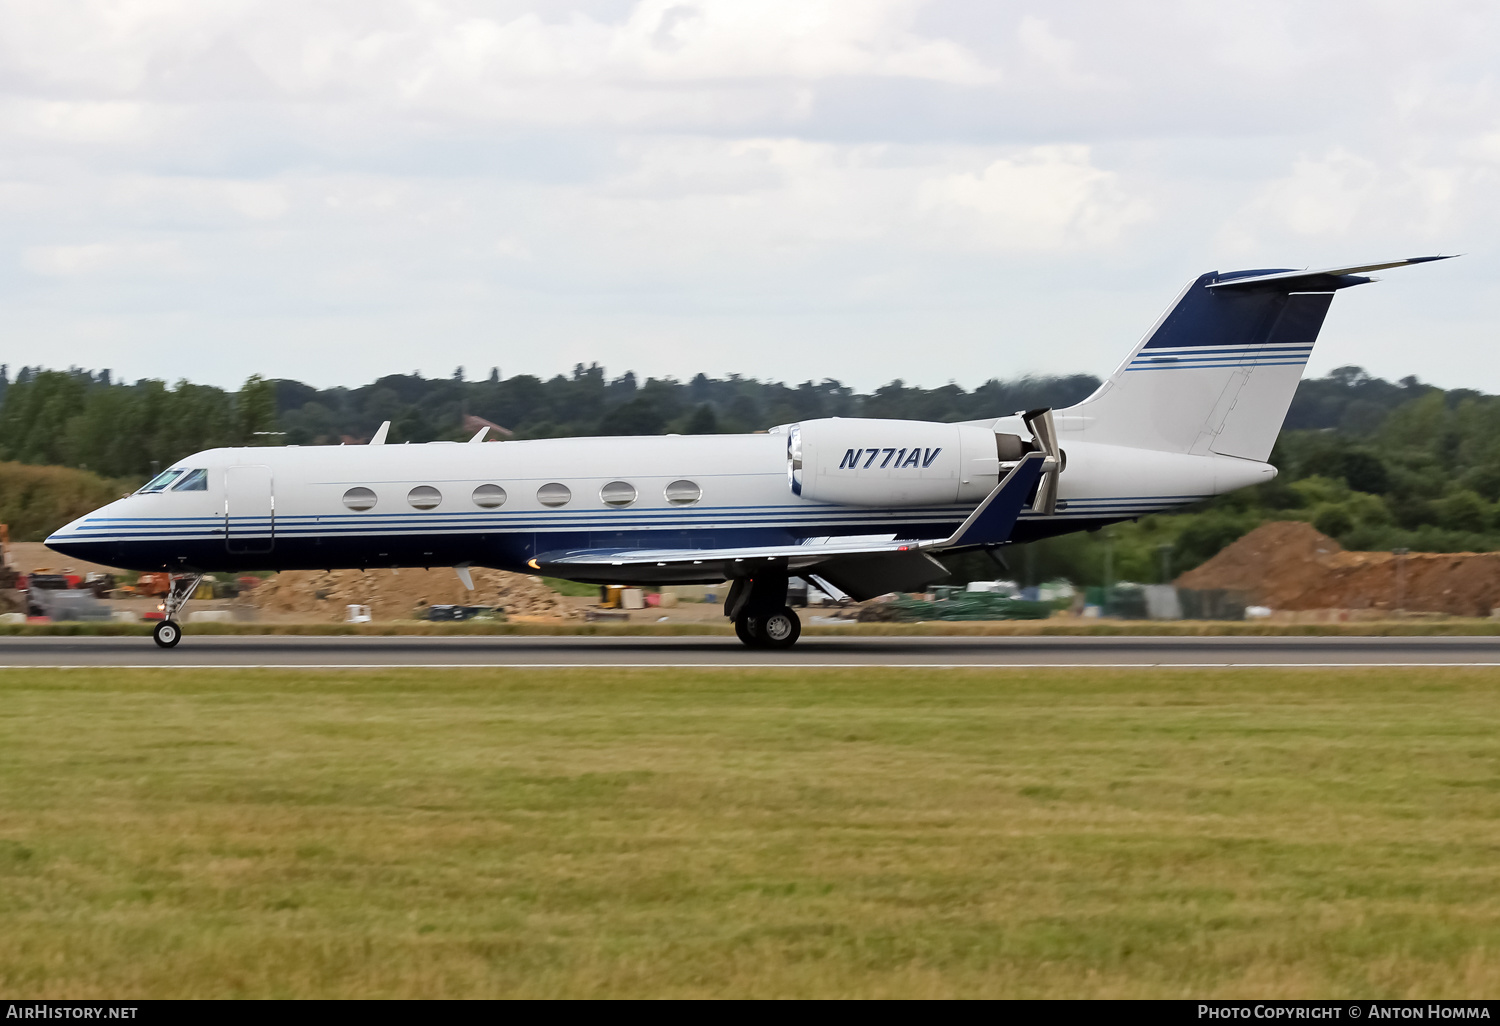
<point>161,481</point>
<point>196,481</point>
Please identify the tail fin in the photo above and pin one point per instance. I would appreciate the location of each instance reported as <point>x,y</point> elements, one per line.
<point>1218,371</point>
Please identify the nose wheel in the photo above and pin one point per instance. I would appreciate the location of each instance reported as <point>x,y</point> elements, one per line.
<point>168,633</point>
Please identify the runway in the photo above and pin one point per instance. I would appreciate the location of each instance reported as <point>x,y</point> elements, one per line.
<point>210,651</point>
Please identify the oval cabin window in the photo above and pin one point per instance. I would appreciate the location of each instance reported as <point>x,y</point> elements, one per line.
<point>553,494</point>
<point>488,496</point>
<point>618,493</point>
<point>359,499</point>
<point>424,497</point>
<point>683,493</point>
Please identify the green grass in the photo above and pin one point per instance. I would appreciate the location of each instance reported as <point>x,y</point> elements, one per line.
<point>575,588</point>
<point>1275,833</point>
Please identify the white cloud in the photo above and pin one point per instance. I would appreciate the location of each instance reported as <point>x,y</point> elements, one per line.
<point>95,257</point>
<point>1321,196</point>
<point>1050,197</point>
<point>1342,195</point>
<point>74,121</point>
<point>684,184</point>
<point>1058,57</point>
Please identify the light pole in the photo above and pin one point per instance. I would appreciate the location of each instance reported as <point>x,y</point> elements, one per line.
<point>1109,568</point>
<point>1400,555</point>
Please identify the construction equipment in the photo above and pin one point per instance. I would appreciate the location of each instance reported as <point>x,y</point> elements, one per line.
<point>447,612</point>
<point>101,584</point>
<point>958,605</point>
<point>153,584</point>
<point>68,604</point>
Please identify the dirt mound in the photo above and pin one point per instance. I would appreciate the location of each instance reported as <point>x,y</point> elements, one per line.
<point>1273,564</point>
<point>394,595</point>
<point>1290,565</point>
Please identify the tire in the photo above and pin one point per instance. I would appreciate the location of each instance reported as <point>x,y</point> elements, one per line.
<point>167,634</point>
<point>779,630</point>
<point>744,629</point>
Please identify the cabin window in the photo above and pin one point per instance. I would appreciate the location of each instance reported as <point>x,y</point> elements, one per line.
<point>160,482</point>
<point>489,496</point>
<point>359,499</point>
<point>196,481</point>
<point>618,493</point>
<point>554,494</point>
<point>683,493</point>
<point>424,497</point>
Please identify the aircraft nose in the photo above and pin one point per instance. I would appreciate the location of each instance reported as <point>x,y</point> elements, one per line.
<point>67,540</point>
<point>80,538</point>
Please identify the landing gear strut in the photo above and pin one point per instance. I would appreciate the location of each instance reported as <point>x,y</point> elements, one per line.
<point>168,633</point>
<point>762,619</point>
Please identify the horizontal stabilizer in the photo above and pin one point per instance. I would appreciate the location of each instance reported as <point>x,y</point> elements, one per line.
<point>1324,278</point>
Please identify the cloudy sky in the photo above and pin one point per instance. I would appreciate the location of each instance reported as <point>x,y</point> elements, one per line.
<point>860,189</point>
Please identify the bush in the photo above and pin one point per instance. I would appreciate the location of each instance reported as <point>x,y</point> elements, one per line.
<point>35,501</point>
<point>1463,510</point>
<point>1203,535</point>
<point>1334,521</point>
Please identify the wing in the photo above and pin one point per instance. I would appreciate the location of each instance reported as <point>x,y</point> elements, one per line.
<point>864,566</point>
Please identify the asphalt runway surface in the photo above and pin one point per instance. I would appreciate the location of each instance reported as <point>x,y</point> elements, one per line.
<point>220,651</point>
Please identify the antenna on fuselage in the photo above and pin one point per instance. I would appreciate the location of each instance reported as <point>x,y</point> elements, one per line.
<point>379,438</point>
<point>479,435</point>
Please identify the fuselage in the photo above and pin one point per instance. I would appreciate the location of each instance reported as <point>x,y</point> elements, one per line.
<point>504,504</point>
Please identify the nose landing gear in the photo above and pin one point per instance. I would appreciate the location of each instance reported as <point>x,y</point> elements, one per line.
<point>168,633</point>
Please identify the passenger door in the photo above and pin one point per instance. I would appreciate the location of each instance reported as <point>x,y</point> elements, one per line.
<point>249,510</point>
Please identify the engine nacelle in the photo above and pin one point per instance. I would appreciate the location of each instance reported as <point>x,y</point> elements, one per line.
<point>859,462</point>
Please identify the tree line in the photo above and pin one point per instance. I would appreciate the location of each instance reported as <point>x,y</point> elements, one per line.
<point>89,420</point>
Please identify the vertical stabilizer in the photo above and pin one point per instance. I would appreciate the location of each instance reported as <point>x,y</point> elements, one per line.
<point>1216,374</point>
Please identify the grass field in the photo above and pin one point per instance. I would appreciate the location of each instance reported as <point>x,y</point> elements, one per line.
<point>777,833</point>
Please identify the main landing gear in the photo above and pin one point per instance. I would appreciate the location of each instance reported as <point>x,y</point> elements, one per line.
<point>762,619</point>
<point>168,633</point>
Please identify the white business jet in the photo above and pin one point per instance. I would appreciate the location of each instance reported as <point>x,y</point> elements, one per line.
<point>859,507</point>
